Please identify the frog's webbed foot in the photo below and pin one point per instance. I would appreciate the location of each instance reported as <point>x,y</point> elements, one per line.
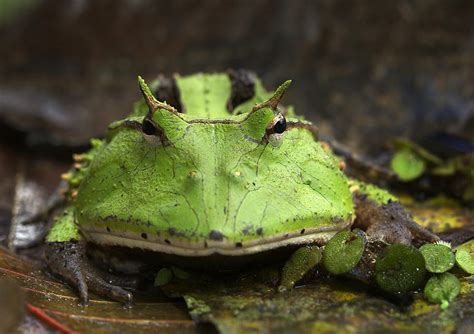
<point>68,259</point>
<point>389,222</point>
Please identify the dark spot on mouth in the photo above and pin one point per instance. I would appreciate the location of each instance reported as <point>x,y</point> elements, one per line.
<point>172,231</point>
<point>216,235</point>
<point>167,241</point>
<point>144,236</point>
<point>225,210</point>
<point>238,245</point>
<point>302,231</point>
<point>246,230</point>
<point>108,229</point>
<point>259,231</point>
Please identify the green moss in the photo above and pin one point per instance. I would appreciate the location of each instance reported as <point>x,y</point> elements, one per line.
<point>407,165</point>
<point>164,276</point>
<point>400,269</point>
<point>442,289</point>
<point>438,258</point>
<point>180,273</point>
<point>343,252</point>
<point>301,261</point>
<point>465,256</point>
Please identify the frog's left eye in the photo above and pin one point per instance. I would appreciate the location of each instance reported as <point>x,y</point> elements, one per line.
<point>280,125</point>
<point>276,129</point>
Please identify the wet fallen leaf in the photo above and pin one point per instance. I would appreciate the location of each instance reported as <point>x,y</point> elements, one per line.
<point>338,305</point>
<point>61,303</point>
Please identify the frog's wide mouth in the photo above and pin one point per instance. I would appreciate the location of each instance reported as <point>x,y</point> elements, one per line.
<point>317,235</point>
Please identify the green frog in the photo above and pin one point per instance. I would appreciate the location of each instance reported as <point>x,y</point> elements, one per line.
<point>209,171</point>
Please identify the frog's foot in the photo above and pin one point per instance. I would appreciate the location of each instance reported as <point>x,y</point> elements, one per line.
<point>389,222</point>
<point>68,259</point>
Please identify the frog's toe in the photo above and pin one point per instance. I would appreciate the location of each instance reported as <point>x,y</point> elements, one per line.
<point>131,282</point>
<point>389,223</point>
<point>97,285</point>
<point>68,259</point>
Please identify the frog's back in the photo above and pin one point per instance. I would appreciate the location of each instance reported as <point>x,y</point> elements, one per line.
<point>209,182</point>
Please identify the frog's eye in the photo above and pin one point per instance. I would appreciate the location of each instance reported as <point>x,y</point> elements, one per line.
<point>151,131</point>
<point>280,125</point>
<point>276,129</point>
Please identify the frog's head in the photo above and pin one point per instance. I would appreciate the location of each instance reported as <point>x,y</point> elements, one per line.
<point>240,185</point>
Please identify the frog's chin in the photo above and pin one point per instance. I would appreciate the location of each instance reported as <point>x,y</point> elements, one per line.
<point>316,235</point>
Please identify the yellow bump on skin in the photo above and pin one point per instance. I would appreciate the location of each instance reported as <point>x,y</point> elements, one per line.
<point>77,165</point>
<point>237,173</point>
<point>78,157</point>
<point>342,165</point>
<point>74,194</point>
<point>192,174</point>
<point>354,188</point>
<point>325,146</point>
<point>66,176</point>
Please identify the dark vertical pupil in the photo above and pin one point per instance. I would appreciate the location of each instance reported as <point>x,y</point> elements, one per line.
<point>148,127</point>
<point>280,126</point>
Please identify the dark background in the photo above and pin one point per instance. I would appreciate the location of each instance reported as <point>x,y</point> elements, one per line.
<point>364,71</point>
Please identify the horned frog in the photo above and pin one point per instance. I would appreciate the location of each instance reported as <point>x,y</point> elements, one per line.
<point>211,172</point>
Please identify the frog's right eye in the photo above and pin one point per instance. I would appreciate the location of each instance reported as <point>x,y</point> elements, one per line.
<point>276,129</point>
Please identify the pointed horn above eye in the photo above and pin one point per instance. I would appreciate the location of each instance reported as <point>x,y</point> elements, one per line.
<point>275,99</point>
<point>152,103</point>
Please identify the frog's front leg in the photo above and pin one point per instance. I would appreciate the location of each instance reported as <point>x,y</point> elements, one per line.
<point>66,256</point>
<point>384,218</point>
